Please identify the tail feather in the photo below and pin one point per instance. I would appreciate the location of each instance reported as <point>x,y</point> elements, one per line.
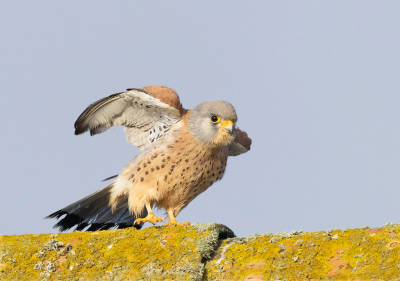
<point>109,178</point>
<point>93,211</point>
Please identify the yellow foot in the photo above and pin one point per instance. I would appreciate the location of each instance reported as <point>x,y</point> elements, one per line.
<point>175,223</point>
<point>150,218</point>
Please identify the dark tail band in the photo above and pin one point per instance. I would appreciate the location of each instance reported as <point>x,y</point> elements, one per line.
<point>93,211</point>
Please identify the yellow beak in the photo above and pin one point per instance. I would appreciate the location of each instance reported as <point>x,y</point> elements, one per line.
<point>228,126</point>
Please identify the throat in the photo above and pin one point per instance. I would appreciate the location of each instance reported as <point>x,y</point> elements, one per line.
<point>223,138</point>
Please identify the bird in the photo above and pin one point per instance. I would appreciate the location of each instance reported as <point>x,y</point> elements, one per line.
<point>182,153</point>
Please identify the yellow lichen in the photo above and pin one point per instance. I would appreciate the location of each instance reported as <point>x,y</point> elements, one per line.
<point>180,253</point>
<point>155,253</point>
<point>340,255</point>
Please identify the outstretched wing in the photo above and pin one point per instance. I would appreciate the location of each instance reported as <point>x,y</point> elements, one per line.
<point>241,144</point>
<point>147,114</point>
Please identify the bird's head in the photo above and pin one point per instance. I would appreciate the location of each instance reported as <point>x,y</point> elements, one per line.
<point>213,123</point>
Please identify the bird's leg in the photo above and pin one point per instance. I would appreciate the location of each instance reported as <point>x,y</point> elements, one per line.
<point>173,221</point>
<point>150,216</point>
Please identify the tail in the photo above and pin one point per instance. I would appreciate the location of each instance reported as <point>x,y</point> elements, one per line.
<point>93,210</point>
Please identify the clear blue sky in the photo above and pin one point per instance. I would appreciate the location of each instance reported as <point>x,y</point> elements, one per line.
<point>316,85</point>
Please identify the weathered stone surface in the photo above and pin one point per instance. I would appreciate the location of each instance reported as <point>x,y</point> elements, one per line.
<point>198,253</point>
<point>354,254</point>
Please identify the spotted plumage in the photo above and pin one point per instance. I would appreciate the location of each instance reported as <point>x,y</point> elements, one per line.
<point>183,152</point>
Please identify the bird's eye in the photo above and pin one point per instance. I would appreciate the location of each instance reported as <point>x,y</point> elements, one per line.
<point>215,119</point>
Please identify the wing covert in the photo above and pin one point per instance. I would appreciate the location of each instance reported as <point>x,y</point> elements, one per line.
<point>241,144</point>
<point>147,116</point>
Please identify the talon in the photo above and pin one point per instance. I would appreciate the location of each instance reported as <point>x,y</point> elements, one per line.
<point>150,218</point>
<point>175,223</point>
<point>169,224</point>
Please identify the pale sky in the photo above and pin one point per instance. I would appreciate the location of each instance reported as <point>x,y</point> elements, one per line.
<point>315,85</point>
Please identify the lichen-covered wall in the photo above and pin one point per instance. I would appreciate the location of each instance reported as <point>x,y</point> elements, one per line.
<point>198,253</point>
<point>353,254</point>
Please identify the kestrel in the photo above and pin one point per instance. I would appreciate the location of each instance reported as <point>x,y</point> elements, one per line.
<point>183,152</point>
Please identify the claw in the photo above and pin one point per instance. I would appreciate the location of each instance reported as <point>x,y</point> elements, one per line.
<point>175,223</point>
<point>150,218</point>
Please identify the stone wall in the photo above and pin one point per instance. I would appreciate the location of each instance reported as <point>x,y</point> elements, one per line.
<point>203,252</point>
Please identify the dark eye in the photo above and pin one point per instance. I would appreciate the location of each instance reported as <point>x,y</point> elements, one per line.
<point>215,119</point>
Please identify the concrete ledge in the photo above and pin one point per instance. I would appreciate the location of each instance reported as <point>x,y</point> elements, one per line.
<point>202,252</point>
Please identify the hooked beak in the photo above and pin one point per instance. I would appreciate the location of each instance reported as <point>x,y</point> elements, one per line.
<point>228,126</point>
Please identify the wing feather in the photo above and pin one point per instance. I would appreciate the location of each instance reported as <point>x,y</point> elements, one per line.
<point>144,114</point>
<point>241,144</point>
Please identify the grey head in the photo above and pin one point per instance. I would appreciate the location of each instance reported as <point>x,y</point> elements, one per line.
<point>213,123</point>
